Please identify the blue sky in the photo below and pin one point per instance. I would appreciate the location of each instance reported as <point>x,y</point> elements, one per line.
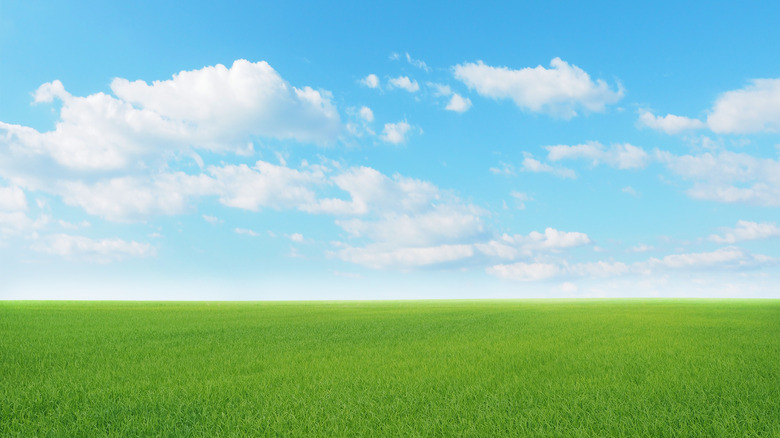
<point>292,150</point>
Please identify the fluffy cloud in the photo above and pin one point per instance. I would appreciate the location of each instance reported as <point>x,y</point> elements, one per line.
<point>395,133</point>
<point>370,81</point>
<point>104,250</point>
<point>366,114</point>
<point>525,271</point>
<point>405,83</point>
<point>12,199</point>
<point>621,156</point>
<point>561,90</point>
<point>670,123</point>
<point>224,105</point>
<point>550,240</point>
<point>755,108</point>
<point>746,230</point>
<point>214,108</point>
<point>458,103</point>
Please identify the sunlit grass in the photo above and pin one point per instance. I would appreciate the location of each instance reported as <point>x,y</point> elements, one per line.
<point>465,368</point>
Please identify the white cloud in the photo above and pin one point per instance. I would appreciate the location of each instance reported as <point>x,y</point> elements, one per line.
<point>12,199</point>
<point>370,81</point>
<point>458,103</point>
<point>560,91</point>
<point>133,198</point>
<point>503,169</point>
<point>417,63</point>
<point>296,237</point>
<point>103,250</point>
<point>366,114</point>
<point>641,248</point>
<point>670,123</point>
<point>531,164</point>
<point>550,240</point>
<point>621,156</point>
<point>265,185</point>
<point>405,83</point>
<point>247,98</point>
<point>246,232</point>
<point>525,271</point>
<point>440,89</point>
<point>146,125</point>
<point>755,108</point>
<point>630,190</point>
<point>395,133</point>
<point>212,219</point>
<point>729,258</point>
<point>378,257</point>
<point>746,230</point>
<point>728,177</point>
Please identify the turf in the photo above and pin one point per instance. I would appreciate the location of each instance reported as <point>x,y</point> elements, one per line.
<point>418,368</point>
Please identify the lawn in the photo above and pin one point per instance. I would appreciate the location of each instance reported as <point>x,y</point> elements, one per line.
<point>403,368</point>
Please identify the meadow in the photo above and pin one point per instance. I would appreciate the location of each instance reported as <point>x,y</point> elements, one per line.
<point>574,368</point>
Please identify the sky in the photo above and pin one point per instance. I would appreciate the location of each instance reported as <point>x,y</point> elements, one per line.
<point>388,150</point>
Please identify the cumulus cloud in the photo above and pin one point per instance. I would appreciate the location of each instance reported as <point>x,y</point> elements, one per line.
<point>370,81</point>
<point>103,250</point>
<point>525,271</point>
<point>142,126</point>
<point>670,123</point>
<point>417,63</point>
<point>621,156</point>
<point>458,103</point>
<point>395,133</point>
<point>746,230</point>
<point>755,108</point>
<point>246,232</point>
<point>405,83</point>
<point>561,91</point>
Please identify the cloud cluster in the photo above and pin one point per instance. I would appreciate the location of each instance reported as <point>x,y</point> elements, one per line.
<point>561,91</point>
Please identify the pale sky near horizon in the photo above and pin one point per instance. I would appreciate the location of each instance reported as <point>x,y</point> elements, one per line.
<point>382,150</point>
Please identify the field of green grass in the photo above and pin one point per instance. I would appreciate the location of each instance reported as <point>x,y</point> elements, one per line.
<point>417,368</point>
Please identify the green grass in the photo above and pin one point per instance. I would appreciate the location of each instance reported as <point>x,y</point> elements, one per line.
<point>465,368</point>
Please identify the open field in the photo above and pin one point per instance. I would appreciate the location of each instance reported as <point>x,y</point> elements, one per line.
<point>466,368</point>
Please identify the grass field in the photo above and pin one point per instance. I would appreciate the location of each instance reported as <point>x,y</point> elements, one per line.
<point>441,368</point>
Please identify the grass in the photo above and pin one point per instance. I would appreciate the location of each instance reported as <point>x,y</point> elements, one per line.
<point>468,368</point>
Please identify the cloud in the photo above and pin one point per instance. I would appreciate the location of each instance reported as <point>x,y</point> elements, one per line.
<point>670,123</point>
<point>458,103</point>
<point>755,108</point>
<point>145,125</point>
<point>395,133</point>
<point>550,240</point>
<point>12,199</point>
<point>370,81</point>
<point>405,83</point>
<point>629,190</point>
<point>245,99</point>
<point>417,63</point>
<point>265,185</point>
<point>296,237</point>
<point>246,232</point>
<point>560,91</point>
<point>134,198</point>
<point>366,114</point>
<point>729,258</point>
<point>378,257</point>
<point>746,230</point>
<point>621,156</point>
<point>103,250</point>
<point>525,271</point>
<point>728,176</point>
<point>212,219</point>
<point>531,164</point>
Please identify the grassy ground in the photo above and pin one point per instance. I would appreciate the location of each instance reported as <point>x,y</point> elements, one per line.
<point>465,368</point>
